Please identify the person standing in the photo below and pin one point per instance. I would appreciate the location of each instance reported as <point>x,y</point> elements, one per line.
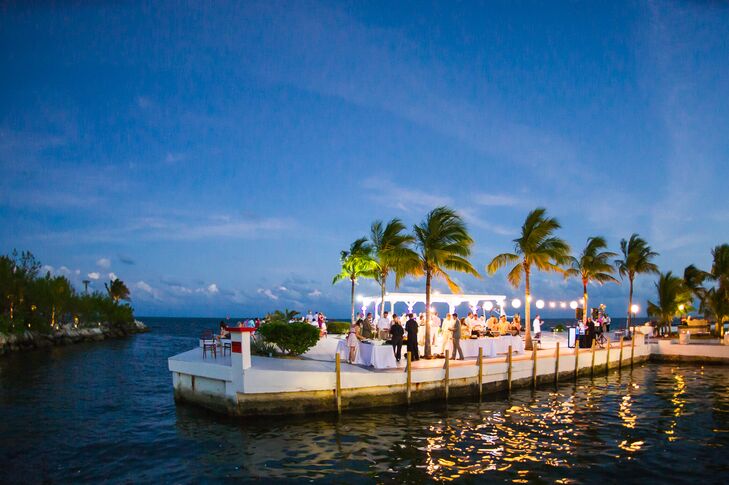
<point>383,325</point>
<point>457,332</point>
<point>434,327</point>
<point>367,326</point>
<point>411,327</point>
<point>537,327</point>
<point>590,332</point>
<point>396,334</point>
<point>353,339</point>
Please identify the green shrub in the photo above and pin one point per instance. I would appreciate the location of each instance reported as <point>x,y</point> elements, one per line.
<point>259,346</point>
<point>558,328</point>
<point>292,338</point>
<point>337,327</point>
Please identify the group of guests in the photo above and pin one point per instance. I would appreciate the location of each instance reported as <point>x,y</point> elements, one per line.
<point>444,333</point>
<point>250,323</point>
<point>317,319</point>
<point>589,330</point>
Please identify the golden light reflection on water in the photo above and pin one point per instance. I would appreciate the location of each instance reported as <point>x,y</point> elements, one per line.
<point>542,436</point>
<point>626,414</point>
<point>679,402</point>
<point>518,435</point>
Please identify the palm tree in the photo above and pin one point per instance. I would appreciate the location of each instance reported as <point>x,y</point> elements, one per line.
<point>392,248</point>
<point>672,293</point>
<point>537,246</point>
<point>442,243</point>
<point>358,262</point>
<point>637,256</point>
<point>592,265</point>
<point>117,290</point>
<point>693,280</point>
<point>717,305</point>
<point>713,300</point>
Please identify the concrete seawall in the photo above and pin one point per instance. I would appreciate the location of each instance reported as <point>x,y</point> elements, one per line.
<point>302,387</point>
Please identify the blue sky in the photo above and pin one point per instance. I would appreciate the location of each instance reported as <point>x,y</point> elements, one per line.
<point>217,158</point>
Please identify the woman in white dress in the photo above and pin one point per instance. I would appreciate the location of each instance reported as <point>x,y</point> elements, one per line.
<point>355,335</point>
<point>447,333</point>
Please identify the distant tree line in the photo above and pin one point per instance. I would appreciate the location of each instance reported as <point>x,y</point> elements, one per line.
<point>30,300</point>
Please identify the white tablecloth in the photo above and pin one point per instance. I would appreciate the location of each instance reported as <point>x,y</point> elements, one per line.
<point>372,355</point>
<point>492,346</point>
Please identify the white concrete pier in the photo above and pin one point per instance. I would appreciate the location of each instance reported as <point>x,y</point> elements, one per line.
<point>242,384</point>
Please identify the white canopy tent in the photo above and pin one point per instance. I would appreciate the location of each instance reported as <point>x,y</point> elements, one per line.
<point>486,302</point>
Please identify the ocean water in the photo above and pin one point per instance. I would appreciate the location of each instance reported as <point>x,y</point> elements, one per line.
<point>105,412</point>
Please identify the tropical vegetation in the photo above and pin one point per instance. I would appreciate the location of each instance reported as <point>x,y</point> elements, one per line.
<point>637,259</point>
<point>30,300</point>
<point>714,298</point>
<point>537,246</point>
<point>357,262</point>
<point>292,338</point>
<point>443,243</point>
<point>393,252</point>
<point>593,264</point>
<point>673,297</point>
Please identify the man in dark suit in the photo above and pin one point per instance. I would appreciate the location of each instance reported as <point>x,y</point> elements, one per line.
<point>396,334</point>
<point>411,327</point>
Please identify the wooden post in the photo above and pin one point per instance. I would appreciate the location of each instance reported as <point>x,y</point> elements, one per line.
<point>620,363</point>
<point>607,362</point>
<point>592,366</point>
<point>447,368</point>
<point>632,348</point>
<point>556,366</point>
<point>534,367</point>
<point>508,360</point>
<point>410,380</point>
<point>577,359</point>
<point>480,372</point>
<point>337,366</point>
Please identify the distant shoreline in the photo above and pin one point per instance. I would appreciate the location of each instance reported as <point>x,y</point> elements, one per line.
<point>67,335</point>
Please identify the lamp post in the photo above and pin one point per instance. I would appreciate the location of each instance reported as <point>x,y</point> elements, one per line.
<point>681,309</point>
<point>634,309</point>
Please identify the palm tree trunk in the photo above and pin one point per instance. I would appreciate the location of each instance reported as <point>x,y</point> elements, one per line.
<point>584,304</point>
<point>352,301</point>
<point>427,354</point>
<point>630,304</point>
<point>527,311</point>
<point>384,282</point>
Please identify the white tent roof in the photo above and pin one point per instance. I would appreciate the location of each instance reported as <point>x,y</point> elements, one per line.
<point>410,299</point>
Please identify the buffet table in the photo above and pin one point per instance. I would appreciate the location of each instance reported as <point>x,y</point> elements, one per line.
<point>377,355</point>
<point>492,346</point>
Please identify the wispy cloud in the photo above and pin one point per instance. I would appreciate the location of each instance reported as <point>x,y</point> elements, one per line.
<point>180,227</point>
<point>148,289</point>
<point>404,198</point>
<point>125,259</point>
<point>328,52</point>
<point>501,200</point>
<point>268,293</point>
